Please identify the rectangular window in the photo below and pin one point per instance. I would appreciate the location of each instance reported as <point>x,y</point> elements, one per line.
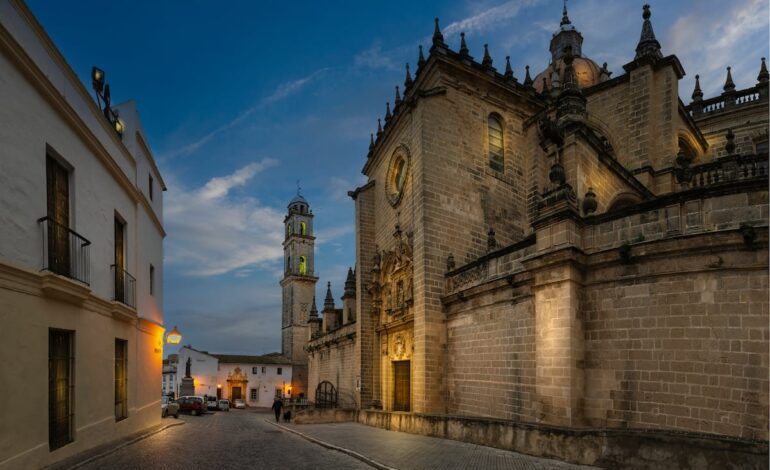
<point>152,280</point>
<point>121,379</point>
<point>253,394</point>
<point>60,388</point>
<point>151,187</point>
<point>263,370</point>
<point>254,370</point>
<point>280,371</point>
<point>57,190</point>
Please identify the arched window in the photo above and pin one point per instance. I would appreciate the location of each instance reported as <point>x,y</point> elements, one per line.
<point>496,143</point>
<point>289,230</point>
<point>288,263</point>
<point>302,228</point>
<point>302,265</point>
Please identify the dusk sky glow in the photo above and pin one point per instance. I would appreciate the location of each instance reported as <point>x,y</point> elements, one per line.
<point>240,100</point>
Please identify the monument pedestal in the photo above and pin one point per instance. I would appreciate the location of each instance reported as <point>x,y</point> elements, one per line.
<point>187,388</point>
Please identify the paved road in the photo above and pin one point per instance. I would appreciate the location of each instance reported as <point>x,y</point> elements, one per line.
<point>233,440</point>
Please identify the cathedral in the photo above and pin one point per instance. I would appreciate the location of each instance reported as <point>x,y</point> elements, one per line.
<point>573,265</point>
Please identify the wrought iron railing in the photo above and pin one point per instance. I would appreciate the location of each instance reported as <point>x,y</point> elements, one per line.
<point>731,168</point>
<point>65,252</point>
<point>123,286</point>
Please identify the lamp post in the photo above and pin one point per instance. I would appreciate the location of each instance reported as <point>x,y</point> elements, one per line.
<point>174,336</point>
<point>102,90</point>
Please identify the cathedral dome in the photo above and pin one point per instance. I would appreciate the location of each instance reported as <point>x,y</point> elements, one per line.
<point>587,71</point>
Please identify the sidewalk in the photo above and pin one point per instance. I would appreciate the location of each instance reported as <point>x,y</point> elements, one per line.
<point>390,449</point>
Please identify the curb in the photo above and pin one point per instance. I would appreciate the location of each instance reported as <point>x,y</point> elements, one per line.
<point>352,453</point>
<point>124,444</point>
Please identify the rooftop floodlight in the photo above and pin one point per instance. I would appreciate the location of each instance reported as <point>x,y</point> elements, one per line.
<point>97,78</point>
<point>119,126</point>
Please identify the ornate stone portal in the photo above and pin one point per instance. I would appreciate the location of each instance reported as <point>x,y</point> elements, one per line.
<point>237,383</point>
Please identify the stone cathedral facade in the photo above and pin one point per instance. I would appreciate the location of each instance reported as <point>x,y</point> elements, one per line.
<point>540,259</point>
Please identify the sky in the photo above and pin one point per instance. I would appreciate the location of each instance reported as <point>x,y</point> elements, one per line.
<point>240,100</point>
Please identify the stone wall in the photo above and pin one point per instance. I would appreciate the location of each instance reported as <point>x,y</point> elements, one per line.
<point>329,359</point>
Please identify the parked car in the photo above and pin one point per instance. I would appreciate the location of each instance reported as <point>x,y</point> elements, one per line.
<point>168,407</point>
<point>224,405</point>
<point>212,404</point>
<point>193,405</point>
<point>239,403</point>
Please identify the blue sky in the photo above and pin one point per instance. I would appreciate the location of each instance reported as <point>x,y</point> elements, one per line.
<point>239,100</point>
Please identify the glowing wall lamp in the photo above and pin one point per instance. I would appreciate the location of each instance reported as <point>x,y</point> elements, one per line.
<point>174,336</point>
<point>102,90</point>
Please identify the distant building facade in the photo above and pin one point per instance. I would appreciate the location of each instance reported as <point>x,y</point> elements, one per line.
<point>565,254</point>
<point>81,258</point>
<point>257,380</point>
<point>169,385</point>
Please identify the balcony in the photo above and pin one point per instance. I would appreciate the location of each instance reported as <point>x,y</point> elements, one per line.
<point>124,286</point>
<point>65,252</point>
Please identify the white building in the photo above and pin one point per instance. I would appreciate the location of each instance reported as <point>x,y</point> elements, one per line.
<point>81,258</point>
<point>256,379</point>
<point>169,385</point>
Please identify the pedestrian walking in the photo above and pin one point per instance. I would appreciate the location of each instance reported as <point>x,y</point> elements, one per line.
<point>277,405</point>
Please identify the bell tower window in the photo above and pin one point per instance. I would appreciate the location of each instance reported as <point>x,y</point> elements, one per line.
<point>302,228</point>
<point>302,265</point>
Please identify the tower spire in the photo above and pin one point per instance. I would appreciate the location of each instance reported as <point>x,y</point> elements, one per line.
<point>438,38</point>
<point>408,80</point>
<point>729,84</point>
<point>329,300</point>
<point>388,114</point>
<point>648,46</point>
<point>527,78</point>
<point>564,17</point>
<point>398,97</point>
<point>763,76</point>
<point>697,93</point>
<point>486,62</point>
<point>420,58</point>
<point>313,310</point>
<point>463,46</point>
<point>508,70</point>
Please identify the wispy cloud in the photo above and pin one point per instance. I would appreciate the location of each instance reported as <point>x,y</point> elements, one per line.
<point>375,58</point>
<point>213,232</point>
<point>707,43</point>
<point>281,92</point>
<point>488,19</point>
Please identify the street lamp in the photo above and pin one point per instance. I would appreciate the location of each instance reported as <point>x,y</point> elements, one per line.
<point>102,90</point>
<point>174,336</point>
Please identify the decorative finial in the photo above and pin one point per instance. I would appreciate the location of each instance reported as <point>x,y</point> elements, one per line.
<point>527,78</point>
<point>730,144</point>
<point>379,127</point>
<point>388,115</point>
<point>299,189</point>
<point>438,38</point>
<point>697,93</point>
<point>729,85</point>
<point>420,58</point>
<point>313,309</point>
<point>648,45</point>
<point>329,300</point>
<point>408,80</point>
<point>564,17</point>
<point>487,60</point>
<point>589,202</point>
<point>398,97</point>
<point>763,76</point>
<point>508,70</point>
<point>604,73</point>
<point>371,142</point>
<point>463,47</point>
<point>545,87</point>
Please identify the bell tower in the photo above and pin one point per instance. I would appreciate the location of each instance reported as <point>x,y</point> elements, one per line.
<point>298,286</point>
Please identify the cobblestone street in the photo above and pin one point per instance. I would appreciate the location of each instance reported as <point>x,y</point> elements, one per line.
<point>233,440</point>
<point>248,439</point>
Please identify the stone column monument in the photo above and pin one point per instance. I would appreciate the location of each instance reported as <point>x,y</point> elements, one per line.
<point>188,383</point>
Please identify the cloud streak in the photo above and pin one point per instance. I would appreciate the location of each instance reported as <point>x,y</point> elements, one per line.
<point>282,91</point>
<point>214,232</point>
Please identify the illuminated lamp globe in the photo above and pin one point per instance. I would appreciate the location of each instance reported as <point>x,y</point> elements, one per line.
<point>174,336</point>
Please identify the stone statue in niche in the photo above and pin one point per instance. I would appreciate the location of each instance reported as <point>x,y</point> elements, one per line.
<point>187,368</point>
<point>399,346</point>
